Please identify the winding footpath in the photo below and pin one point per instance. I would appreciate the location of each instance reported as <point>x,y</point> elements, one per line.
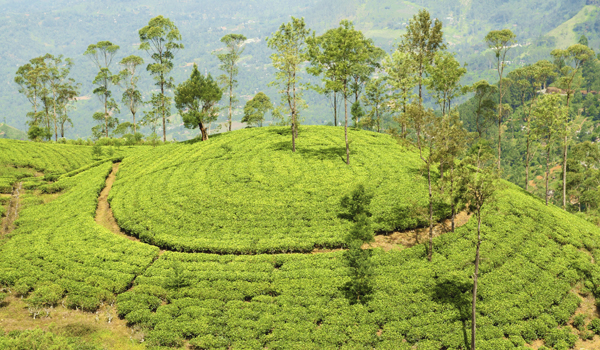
<point>397,240</point>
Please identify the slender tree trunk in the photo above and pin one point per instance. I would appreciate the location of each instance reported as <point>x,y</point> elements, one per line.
<point>430,250</point>
<point>346,126</point>
<point>294,113</point>
<point>335,108</point>
<point>547,169</point>
<point>106,115</point>
<point>527,163</point>
<point>475,275</point>
<point>134,126</point>
<point>566,148</point>
<point>452,193</point>
<point>565,151</point>
<point>230,95</point>
<point>164,119</point>
<point>55,121</point>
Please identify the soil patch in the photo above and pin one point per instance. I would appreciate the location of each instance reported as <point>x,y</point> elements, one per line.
<point>90,326</point>
<point>12,212</point>
<point>410,238</point>
<point>104,215</point>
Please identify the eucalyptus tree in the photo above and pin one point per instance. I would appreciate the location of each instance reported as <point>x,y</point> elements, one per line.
<point>161,39</point>
<point>424,122</point>
<point>196,99</point>
<point>443,82</point>
<point>337,55</point>
<point>478,183</point>
<point>129,79</point>
<point>377,98</point>
<point>61,88</point>
<point>229,60</point>
<point>400,69</point>
<point>451,140</point>
<point>550,119</point>
<point>534,76</point>
<point>256,108</point>
<point>29,78</point>
<point>573,59</point>
<point>289,43</point>
<point>484,105</point>
<point>422,40</point>
<point>443,79</point>
<point>500,42</point>
<point>362,73</point>
<point>102,55</point>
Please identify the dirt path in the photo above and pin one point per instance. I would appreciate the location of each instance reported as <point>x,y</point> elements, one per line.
<point>12,213</point>
<point>104,215</point>
<point>397,240</point>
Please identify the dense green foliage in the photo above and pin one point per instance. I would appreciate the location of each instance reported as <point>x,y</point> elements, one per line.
<point>246,192</point>
<point>532,257</point>
<point>20,160</point>
<point>40,340</point>
<point>70,255</point>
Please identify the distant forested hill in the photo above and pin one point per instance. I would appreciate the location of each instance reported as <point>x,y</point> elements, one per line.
<point>67,27</point>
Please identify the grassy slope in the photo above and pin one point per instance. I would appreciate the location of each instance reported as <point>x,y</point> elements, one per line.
<point>564,33</point>
<point>7,131</point>
<point>245,191</point>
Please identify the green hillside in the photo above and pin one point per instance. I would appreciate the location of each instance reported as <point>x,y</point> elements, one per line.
<point>538,262</point>
<point>8,132</point>
<point>245,191</point>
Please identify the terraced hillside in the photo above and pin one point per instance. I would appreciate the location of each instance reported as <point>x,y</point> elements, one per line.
<point>538,262</point>
<point>246,192</point>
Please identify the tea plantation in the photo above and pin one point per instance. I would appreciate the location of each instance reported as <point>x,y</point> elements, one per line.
<point>246,192</point>
<point>246,197</point>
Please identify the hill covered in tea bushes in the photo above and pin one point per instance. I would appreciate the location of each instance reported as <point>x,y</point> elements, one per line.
<point>245,196</point>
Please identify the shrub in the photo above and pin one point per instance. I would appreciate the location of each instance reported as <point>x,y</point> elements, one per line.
<point>594,326</point>
<point>579,321</point>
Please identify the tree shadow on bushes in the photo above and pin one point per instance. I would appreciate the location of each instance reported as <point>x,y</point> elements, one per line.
<point>458,294</point>
<point>327,153</point>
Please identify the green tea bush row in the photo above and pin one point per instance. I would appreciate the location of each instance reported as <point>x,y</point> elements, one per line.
<point>246,192</point>
<point>38,339</point>
<point>532,258</point>
<point>58,250</point>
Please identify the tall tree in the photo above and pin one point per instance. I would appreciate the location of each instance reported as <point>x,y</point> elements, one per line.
<point>102,55</point>
<point>128,78</point>
<point>29,78</point>
<point>422,40</point>
<point>550,118</point>
<point>536,76</point>
<point>161,39</point>
<point>500,41</point>
<point>256,108</point>
<point>443,80</point>
<point>424,123</point>
<point>477,186</point>
<point>362,73</point>
<point>229,60</point>
<point>451,140</point>
<point>289,42</point>
<point>196,99</point>
<point>573,58</point>
<point>484,105</point>
<point>376,96</point>
<point>400,69</point>
<point>62,88</point>
<point>338,54</point>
